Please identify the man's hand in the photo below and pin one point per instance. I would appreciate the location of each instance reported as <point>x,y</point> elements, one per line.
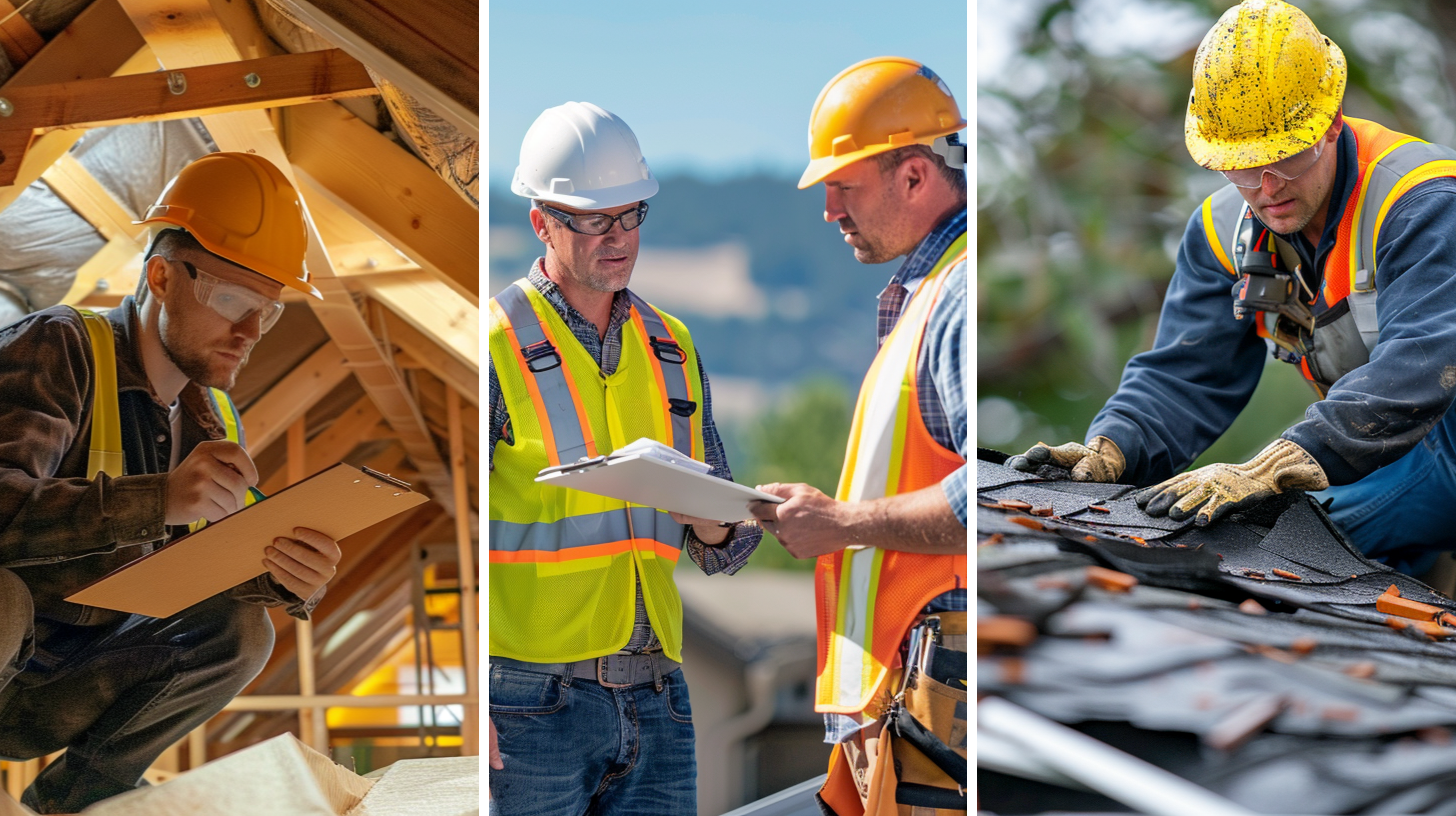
<point>809,523</point>
<point>211,483</point>
<point>495,756</point>
<point>1101,461</point>
<point>706,530</point>
<point>1221,489</point>
<point>303,564</point>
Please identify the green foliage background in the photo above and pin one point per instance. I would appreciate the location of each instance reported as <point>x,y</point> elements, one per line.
<point>1084,188</point>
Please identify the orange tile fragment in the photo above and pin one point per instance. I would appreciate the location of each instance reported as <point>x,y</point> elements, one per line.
<point>1303,645</point>
<point>1341,713</point>
<point>1015,504</point>
<point>1110,580</point>
<point>1406,608</point>
<point>1003,630</point>
<point>1013,671</point>
<point>1252,607</point>
<point>1397,623</point>
<point>1390,590</point>
<point>1287,574</point>
<point>1362,670</point>
<point>1053,583</point>
<point>1090,539</point>
<point>1041,511</point>
<point>1097,508</point>
<point>1434,629</point>
<point>992,540</point>
<point>1029,523</point>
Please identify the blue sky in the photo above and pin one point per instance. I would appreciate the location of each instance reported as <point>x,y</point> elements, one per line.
<point>715,88</point>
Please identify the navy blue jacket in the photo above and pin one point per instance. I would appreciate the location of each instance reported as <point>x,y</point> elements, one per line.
<point>1177,399</point>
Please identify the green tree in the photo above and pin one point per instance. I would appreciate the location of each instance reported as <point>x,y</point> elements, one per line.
<point>801,439</point>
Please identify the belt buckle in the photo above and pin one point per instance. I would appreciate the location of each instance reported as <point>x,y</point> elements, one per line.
<point>622,668</point>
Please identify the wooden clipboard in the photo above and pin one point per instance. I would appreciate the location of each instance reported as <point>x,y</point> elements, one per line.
<point>641,479</point>
<point>337,502</point>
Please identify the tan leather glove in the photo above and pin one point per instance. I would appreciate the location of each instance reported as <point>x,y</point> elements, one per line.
<point>1099,462</point>
<point>1221,489</point>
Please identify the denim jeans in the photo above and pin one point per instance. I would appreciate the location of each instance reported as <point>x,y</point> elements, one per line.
<point>572,747</point>
<point>116,695</point>
<point>1400,514</point>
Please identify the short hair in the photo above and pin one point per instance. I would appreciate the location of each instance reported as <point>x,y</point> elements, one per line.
<point>167,243</point>
<point>954,176</point>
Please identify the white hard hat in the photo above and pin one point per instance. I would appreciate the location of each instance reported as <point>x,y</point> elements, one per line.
<point>582,156</point>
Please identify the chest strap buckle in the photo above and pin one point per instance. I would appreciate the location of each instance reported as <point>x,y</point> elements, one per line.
<point>541,351</point>
<point>668,350</point>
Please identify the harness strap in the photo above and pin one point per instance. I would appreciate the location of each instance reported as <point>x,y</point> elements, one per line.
<point>105,447</point>
<point>674,384</point>
<point>567,434</point>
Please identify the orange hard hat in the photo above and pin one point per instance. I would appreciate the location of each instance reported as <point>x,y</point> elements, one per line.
<point>243,209</point>
<point>876,106</point>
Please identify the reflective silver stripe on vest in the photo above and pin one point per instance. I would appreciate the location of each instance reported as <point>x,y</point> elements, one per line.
<point>561,414</point>
<point>677,386</point>
<point>583,531</point>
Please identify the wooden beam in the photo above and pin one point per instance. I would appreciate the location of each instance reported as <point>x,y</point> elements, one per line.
<point>389,190</point>
<point>19,39</point>
<point>291,397</point>
<point>100,42</point>
<point>193,32</point>
<point>465,555</point>
<point>423,351</point>
<point>75,185</point>
<point>429,48</point>
<point>331,446</point>
<point>269,82</point>
<point>118,260</point>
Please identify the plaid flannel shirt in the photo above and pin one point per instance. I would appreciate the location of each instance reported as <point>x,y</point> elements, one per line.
<point>728,557</point>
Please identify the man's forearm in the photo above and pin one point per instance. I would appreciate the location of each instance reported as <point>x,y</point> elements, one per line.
<point>920,522</point>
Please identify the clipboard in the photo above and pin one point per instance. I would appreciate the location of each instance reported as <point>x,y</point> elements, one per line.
<point>338,502</point>
<point>642,478</point>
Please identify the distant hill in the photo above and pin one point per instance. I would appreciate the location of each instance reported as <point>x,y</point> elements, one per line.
<point>815,312</point>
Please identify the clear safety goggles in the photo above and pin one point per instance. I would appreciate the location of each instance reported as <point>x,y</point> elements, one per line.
<point>233,301</point>
<point>598,223</point>
<point>1289,168</point>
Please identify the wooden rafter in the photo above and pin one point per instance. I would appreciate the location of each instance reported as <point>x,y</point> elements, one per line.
<point>429,48</point>
<point>111,273</point>
<point>17,37</point>
<point>100,42</point>
<point>441,330</point>
<point>333,444</point>
<point>424,352</point>
<point>269,416</point>
<point>268,82</point>
<point>183,33</point>
<point>387,189</point>
<point>84,194</point>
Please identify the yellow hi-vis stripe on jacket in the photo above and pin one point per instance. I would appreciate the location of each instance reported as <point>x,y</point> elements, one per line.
<point>106,455</point>
<point>564,564</point>
<point>867,597</point>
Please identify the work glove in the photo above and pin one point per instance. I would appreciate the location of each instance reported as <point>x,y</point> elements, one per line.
<point>1214,491</point>
<point>1101,461</point>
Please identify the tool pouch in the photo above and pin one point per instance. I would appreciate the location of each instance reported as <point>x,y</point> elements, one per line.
<point>929,729</point>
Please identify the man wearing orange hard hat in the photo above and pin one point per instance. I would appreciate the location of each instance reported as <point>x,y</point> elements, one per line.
<point>890,582</point>
<point>117,435</point>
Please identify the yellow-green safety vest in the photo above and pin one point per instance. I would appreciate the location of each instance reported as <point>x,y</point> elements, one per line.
<point>564,564</point>
<point>105,454</point>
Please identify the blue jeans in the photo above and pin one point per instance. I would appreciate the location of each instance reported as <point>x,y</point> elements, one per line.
<point>572,747</point>
<point>1400,514</point>
<point>118,694</point>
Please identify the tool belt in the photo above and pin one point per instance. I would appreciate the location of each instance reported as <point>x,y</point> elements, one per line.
<point>610,671</point>
<point>912,761</point>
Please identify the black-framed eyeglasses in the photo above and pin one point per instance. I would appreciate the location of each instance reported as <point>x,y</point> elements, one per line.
<point>598,223</point>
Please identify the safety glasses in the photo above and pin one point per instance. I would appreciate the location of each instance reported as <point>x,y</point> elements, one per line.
<point>1289,168</point>
<point>598,223</point>
<point>233,301</point>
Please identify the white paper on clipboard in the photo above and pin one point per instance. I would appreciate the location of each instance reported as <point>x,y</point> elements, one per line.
<point>644,478</point>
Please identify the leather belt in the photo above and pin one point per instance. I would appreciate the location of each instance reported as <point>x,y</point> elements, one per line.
<point>611,671</point>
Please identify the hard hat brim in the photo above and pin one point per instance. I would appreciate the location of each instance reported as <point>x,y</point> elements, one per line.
<point>820,169</point>
<point>292,281</point>
<point>603,199</point>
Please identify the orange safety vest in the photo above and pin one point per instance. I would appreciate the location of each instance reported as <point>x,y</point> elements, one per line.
<point>1389,165</point>
<point>868,598</point>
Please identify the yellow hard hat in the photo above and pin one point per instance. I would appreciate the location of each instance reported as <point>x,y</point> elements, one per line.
<point>241,208</point>
<point>1266,85</point>
<point>875,106</point>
